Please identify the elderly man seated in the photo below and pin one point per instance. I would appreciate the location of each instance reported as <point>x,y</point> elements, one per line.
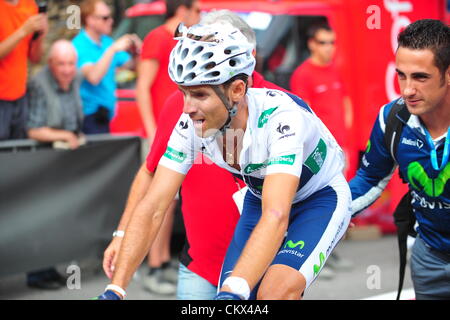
<point>55,111</point>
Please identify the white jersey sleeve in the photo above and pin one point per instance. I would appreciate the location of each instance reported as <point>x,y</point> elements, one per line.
<point>182,147</point>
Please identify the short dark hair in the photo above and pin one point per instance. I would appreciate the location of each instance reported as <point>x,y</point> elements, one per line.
<point>173,5</point>
<point>312,31</point>
<point>428,34</point>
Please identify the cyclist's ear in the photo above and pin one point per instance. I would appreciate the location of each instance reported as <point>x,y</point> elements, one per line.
<point>237,90</point>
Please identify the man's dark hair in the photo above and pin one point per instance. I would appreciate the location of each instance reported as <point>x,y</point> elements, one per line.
<point>312,31</point>
<point>428,34</point>
<point>173,5</point>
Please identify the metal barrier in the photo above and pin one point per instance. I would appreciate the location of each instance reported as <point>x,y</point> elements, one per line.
<point>61,205</point>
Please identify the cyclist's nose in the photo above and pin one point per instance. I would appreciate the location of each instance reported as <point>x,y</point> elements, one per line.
<point>188,107</point>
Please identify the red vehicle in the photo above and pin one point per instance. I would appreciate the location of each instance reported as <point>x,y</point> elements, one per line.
<point>366,42</point>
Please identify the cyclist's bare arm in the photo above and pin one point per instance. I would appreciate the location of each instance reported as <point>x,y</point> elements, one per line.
<point>278,192</point>
<point>145,222</point>
<point>138,190</point>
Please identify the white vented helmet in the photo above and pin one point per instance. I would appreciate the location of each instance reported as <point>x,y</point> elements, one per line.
<point>210,55</point>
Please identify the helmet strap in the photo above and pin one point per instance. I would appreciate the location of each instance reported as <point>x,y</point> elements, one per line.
<point>232,109</point>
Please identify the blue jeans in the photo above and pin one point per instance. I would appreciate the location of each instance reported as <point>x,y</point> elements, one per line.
<point>193,287</point>
<point>91,125</point>
<point>430,272</point>
<point>13,118</point>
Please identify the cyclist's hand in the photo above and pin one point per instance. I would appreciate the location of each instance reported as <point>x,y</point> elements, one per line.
<point>108,295</point>
<point>110,256</point>
<point>223,295</point>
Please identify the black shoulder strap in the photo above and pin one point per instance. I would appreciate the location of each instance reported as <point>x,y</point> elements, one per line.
<point>404,220</point>
<point>394,127</point>
<point>403,216</point>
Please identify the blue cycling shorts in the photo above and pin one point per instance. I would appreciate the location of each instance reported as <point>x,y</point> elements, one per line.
<point>316,225</point>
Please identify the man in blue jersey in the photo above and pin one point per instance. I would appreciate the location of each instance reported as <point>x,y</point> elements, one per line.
<point>422,65</point>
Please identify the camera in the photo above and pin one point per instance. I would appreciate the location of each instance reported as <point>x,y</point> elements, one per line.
<point>42,8</point>
<point>133,49</point>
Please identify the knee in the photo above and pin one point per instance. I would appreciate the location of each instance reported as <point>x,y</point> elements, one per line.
<point>281,282</point>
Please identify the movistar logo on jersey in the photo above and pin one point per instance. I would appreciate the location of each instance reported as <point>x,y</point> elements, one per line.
<point>419,179</point>
<point>265,116</point>
<point>293,245</point>
<point>287,160</point>
<point>414,143</point>
<point>175,155</point>
<point>316,267</point>
<point>316,159</point>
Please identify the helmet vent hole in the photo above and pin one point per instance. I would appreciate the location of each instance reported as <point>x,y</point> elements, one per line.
<point>209,65</point>
<point>207,56</point>
<point>184,53</point>
<point>230,50</point>
<point>197,50</point>
<point>232,63</point>
<point>213,74</point>
<point>191,65</point>
<point>179,70</point>
<point>190,76</point>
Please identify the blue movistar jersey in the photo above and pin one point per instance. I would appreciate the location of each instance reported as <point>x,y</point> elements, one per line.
<point>429,188</point>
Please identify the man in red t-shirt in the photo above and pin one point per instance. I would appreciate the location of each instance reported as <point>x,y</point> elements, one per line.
<point>152,89</point>
<point>153,84</point>
<point>318,82</point>
<point>209,216</point>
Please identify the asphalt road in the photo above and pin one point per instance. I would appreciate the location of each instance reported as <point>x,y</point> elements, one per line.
<point>374,275</point>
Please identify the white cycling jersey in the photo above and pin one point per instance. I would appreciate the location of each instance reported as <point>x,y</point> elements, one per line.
<point>283,135</point>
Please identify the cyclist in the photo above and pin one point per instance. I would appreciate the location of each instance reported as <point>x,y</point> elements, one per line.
<point>422,64</point>
<point>297,206</point>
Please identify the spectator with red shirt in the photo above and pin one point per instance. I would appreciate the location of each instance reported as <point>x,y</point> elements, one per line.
<point>209,226</point>
<point>22,30</point>
<point>153,84</point>
<point>318,82</point>
<point>153,87</point>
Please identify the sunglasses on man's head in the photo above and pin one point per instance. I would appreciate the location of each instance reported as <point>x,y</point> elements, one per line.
<point>194,33</point>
